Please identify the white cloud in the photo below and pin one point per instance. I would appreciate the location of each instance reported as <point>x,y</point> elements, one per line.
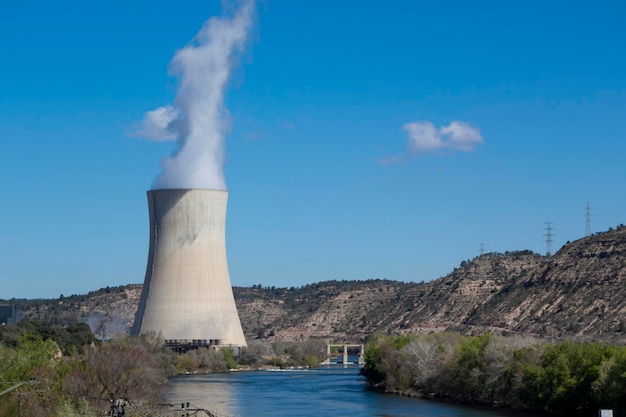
<point>424,138</point>
<point>460,136</point>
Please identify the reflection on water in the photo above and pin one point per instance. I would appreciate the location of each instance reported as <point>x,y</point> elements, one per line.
<point>204,391</point>
<point>333,390</point>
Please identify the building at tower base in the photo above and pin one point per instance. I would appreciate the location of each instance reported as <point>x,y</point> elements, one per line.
<point>187,298</point>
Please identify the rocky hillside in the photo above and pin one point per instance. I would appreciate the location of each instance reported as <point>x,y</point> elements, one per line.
<point>578,292</point>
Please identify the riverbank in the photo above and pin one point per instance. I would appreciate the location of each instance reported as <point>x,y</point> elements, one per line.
<point>418,395</point>
<point>243,369</point>
<point>506,372</point>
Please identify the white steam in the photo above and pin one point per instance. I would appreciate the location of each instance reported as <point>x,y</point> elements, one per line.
<point>197,119</point>
<point>159,124</point>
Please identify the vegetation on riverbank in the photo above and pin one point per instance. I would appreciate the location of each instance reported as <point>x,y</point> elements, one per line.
<point>55,371</point>
<point>515,372</point>
<point>65,371</point>
<point>257,355</point>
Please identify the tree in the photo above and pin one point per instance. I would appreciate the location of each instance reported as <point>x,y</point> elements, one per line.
<point>34,360</point>
<point>129,368</point>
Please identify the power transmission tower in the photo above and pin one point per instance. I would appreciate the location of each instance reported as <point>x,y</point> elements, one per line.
<point>588,221</point>
<point>549,236</point>
<point>482,249</point>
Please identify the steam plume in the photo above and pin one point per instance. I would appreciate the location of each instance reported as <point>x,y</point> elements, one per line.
<point>197,119</point>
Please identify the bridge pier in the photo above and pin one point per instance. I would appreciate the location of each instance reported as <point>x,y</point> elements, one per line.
<point>344,355</point>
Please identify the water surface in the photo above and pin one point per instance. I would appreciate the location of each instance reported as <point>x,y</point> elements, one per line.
<point>328,391</point>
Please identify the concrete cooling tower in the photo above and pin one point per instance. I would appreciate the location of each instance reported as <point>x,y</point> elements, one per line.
<point>187,297</point>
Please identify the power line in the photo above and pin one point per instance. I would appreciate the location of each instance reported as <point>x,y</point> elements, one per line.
<point>588,221</point>
<point>14,387</point>
<point>549,235</point>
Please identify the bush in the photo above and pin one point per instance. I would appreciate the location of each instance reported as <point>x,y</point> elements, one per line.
<point>229,358</point>
<point>519,372</point>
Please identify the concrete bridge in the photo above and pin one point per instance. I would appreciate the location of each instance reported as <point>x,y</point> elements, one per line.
<point>343,349</point>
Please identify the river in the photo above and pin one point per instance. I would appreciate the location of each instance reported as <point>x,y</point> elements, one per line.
<point>326,391</point>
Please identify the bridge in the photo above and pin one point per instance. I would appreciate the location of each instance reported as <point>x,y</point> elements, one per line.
<point>342,351</point>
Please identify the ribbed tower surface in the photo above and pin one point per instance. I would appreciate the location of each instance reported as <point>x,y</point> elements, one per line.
<point>187,296</point>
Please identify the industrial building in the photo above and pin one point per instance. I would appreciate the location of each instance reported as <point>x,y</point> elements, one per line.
<point>10,315</point>
<point>187,296</point>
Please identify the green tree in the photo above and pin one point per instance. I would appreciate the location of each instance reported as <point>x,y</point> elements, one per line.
<point>33,360</point>
<point>229,358</point>
<point>468,374</point>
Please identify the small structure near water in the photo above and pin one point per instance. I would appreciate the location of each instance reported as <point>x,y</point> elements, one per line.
<point>343,351</point>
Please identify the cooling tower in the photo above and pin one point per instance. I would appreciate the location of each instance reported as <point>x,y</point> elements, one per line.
<point>187,297</point>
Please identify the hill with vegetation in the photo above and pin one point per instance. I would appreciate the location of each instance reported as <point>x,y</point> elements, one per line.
<point>576,293</point>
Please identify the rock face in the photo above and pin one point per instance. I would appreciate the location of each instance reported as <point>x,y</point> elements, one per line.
<point>577,293</point>
<point>108,311</point>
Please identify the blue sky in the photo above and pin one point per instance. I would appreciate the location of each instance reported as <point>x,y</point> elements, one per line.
<point>323,181</point>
